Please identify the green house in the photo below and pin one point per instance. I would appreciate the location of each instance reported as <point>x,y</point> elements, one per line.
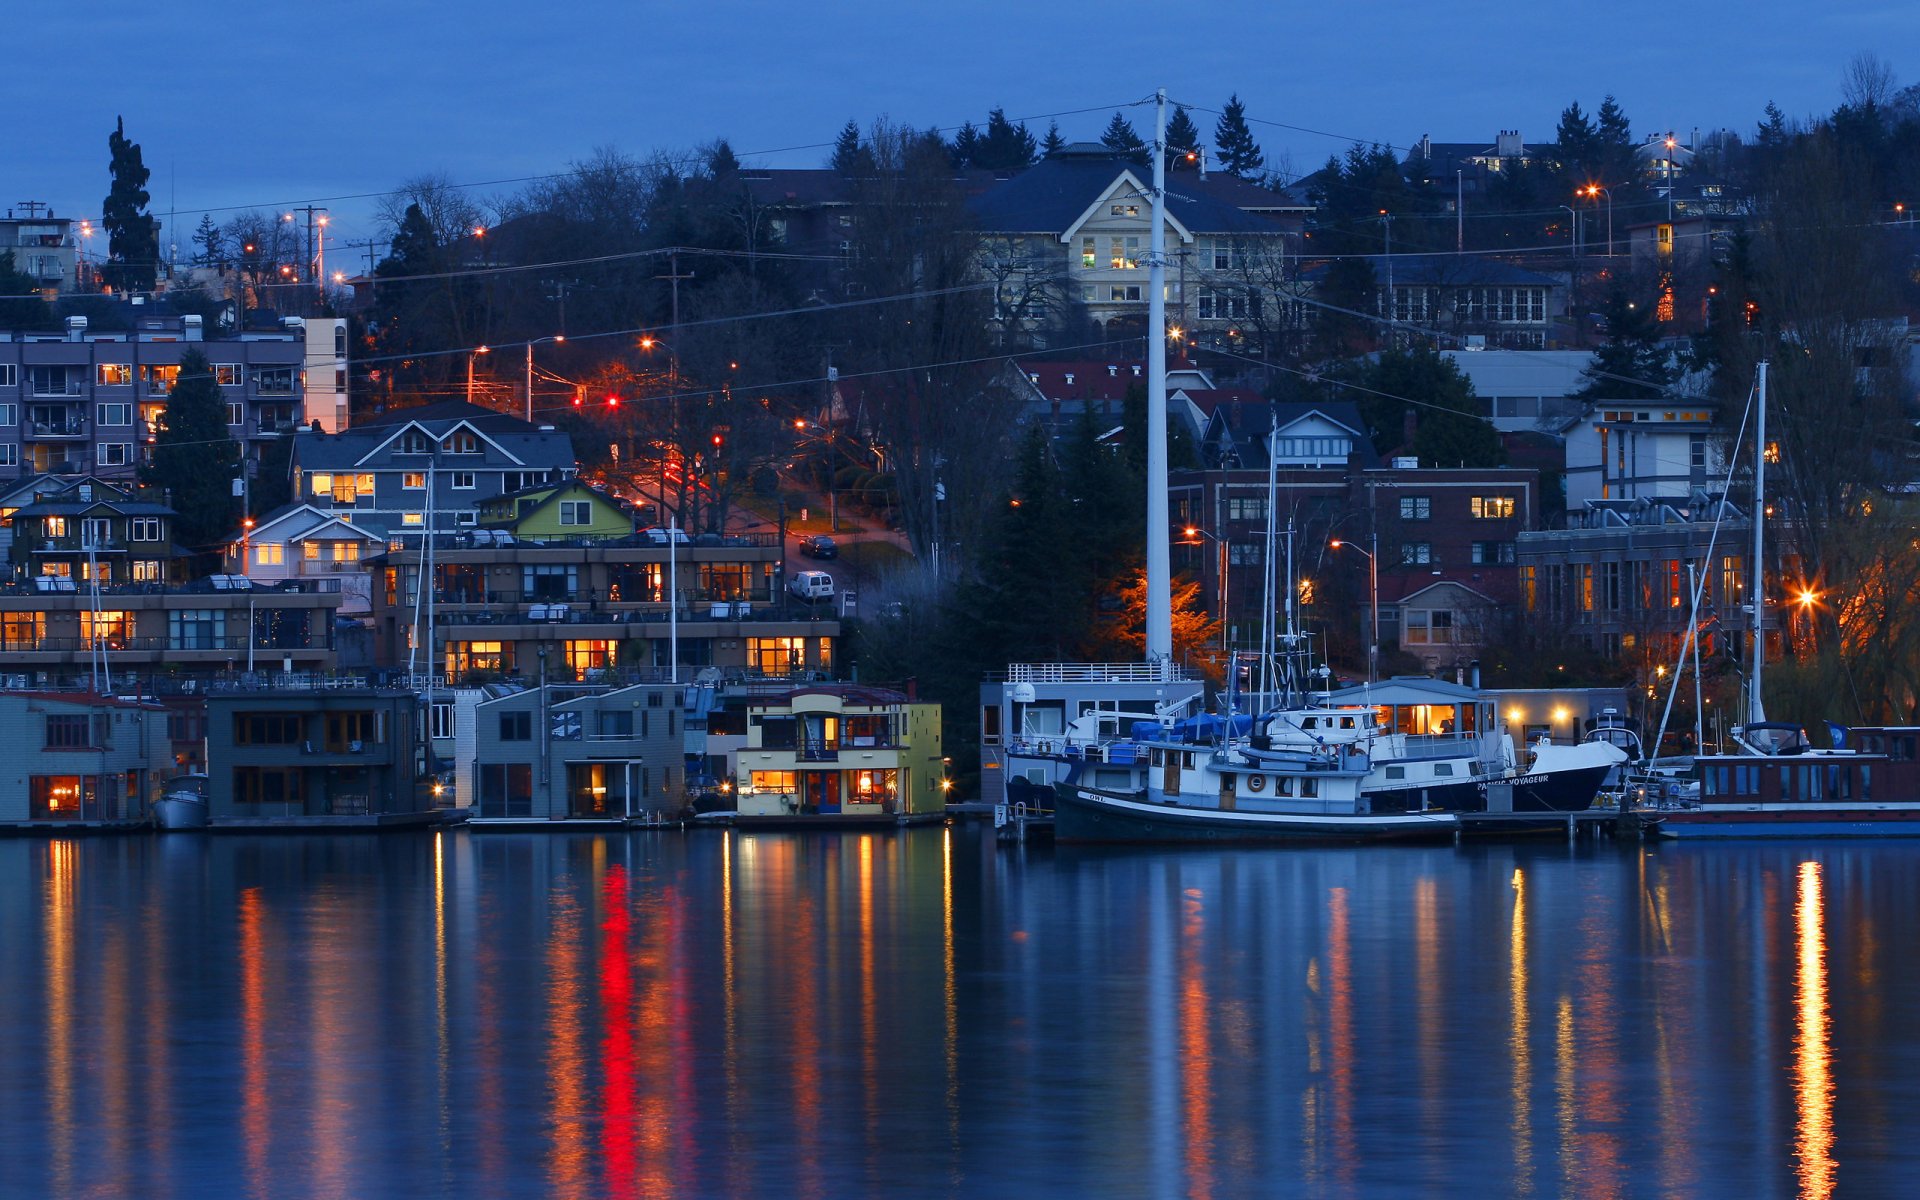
<point>567,509</point>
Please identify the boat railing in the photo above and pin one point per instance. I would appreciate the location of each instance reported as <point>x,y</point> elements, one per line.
<point>1063,672</point>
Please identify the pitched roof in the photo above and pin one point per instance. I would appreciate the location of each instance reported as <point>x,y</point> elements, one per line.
<point>1051,196</point>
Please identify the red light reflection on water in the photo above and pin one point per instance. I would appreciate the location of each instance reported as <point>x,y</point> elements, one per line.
<point>616,1046</point>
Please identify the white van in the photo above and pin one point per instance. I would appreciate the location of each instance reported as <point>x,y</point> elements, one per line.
<point>811,585</point>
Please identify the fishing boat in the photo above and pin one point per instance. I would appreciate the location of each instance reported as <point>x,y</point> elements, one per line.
<point>183,805</point>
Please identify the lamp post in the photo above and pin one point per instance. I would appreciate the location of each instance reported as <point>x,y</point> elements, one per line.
<point>556,338</point>
<point>1573,221</point>
<point>1373,593</point>
<point>1191,532</point>
<point>1594,191</point>
<point>470,355</point>
<point>673,408</point>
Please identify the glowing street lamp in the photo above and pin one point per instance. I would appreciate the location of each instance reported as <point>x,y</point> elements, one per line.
<point>556,338</point>
<point>1373,593</point>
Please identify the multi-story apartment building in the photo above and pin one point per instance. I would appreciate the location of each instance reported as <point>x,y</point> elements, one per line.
<point>55,630</point>
<point>86,528</point>
<point>85,400</point>
<point>1619,577</point>
<point>1434,550</point>
<point>567,610</point>
<point>840,752</point>
<point>44,247</point>
<point>406,472</point>
<point>1641,449</point>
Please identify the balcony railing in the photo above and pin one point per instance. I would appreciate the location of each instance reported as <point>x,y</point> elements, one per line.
<point>57,429</point>
<point>155,642</point>
<point>197,587</point>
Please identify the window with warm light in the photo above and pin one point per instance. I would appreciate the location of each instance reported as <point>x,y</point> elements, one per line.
<point>269,554</point>
<point>590,655</point>
<point>1491,508</point>
<point>776,656</point>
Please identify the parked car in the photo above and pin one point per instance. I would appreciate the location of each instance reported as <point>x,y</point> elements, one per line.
<point>811,585</point>
<point>660,535</point>
<point>819,546</point>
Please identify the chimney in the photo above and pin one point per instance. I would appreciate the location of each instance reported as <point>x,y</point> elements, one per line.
<point>76,329</point>
<point>1426,147</point>
<point>1509,144</point>
<point>190,326</point>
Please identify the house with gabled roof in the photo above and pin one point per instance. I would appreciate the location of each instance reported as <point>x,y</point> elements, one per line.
<point>567,509</point>
<point>1074,229</point>
<point>115,531</point>
<point>302,541</point>
<point>429,468</point>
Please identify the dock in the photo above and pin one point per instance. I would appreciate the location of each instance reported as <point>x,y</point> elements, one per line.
<point>1588,822</point>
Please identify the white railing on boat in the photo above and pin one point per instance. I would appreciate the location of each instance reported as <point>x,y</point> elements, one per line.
<point>1096,673</point>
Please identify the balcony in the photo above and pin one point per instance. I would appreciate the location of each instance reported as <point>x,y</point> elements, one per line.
<point>54,430</point>
<point>83,545</point>
<point>812,751</point>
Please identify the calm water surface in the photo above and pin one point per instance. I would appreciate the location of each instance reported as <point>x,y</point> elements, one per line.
<point>924,1014</point>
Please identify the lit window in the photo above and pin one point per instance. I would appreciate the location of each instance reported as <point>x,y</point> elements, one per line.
<point>269,554</point>
<point>413,480</point>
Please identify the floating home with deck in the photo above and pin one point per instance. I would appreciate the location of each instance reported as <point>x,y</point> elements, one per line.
<point>840,754</point>
<point>78,760</point>
<point>315,757</point>
<point>1872,791</point>
<point>571,755</point>
<point>1036,703</point>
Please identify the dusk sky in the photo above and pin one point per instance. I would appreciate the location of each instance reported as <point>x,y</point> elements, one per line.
<point>247,105</point>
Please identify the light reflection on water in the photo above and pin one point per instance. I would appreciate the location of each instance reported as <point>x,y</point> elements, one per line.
<point>751,1014</point>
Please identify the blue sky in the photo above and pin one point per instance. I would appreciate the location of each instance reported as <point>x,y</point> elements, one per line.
<point>250,104</point>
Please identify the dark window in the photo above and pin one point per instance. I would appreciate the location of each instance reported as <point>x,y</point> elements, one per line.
<point>616,724</point>
<point>266,729</point>
<point>267,785</point>
<point>72,731</point>
<point>516,727</point>
<point>506,789</point>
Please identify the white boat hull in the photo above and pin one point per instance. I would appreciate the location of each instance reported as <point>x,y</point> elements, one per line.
<point>180,812</point>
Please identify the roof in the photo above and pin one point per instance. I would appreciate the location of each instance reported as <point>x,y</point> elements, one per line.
<point>849,693</point>
<point>1052,196</point>
<point>529,445</point>
<point>1088,379</point>
<point>1406,689</point>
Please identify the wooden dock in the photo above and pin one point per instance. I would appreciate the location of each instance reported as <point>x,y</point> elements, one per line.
<point>1589,822</point>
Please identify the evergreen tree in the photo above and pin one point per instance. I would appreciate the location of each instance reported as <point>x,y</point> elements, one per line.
<point>850,155</point>
<point>1054,143</point>
<point>1578,140</point>
<point>721,163</point>
<point>1631,364</point>
<point>1183,142</point>
<point>1773,133</point>
<point>1239,152</point>
<point>195,459</point>
<point>1120,138</point>
<point>965,145</point>
<point>133,245</point>
<point>212,243</point>
<point>1612,128</point>
<point>20,305</point>
<point>1005,146</point>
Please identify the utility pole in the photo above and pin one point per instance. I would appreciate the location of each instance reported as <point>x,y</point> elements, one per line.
<point>311,212</point>
<point>673,277</point>
<point>1459,213</point>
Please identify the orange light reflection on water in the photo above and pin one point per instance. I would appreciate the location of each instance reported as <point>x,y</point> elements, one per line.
<point>1519,1048</point>
<point>1340,1031</point>
<point>1812,1060</point>
<point>57,950</point>
<point>255,1121</point>
<point>1196,1050</point>
<point>568,1166</point>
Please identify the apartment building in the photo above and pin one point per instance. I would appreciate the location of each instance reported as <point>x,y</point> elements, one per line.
<point>80,400</point>
<point>579,609</point>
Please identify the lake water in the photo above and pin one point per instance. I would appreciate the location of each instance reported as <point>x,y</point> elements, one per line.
<point>923,1013</point>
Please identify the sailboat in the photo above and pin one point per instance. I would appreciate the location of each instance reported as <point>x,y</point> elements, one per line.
<point>1776,783</point>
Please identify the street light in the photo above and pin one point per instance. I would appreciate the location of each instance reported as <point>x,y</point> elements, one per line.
<point>1191,532</point>
<point>673,408</point>
<point>1594,191</point>
<point>470,355</point>
<point>1573,220</point>
<point>1373,592</point>
<point>558,337</point>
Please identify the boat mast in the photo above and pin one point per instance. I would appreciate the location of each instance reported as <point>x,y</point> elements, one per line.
<point>1267,582</point>
<point>1758,596</point>
<point>1159,631</point>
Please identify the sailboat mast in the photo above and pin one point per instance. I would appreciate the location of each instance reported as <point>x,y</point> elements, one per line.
<point>1159,631</point>
<point>1758,595</point>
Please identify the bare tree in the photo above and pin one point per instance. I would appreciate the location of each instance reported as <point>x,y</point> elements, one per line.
<point>1868,81</point>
